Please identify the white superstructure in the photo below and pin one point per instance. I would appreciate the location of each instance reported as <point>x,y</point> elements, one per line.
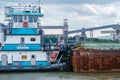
<point>20,47</point>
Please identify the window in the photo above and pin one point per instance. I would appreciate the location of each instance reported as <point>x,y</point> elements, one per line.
<point>35,18</point>
<point>33,56</point>
<point>19,18</point>
<point>24,56</point>
<point>32,39</point>
<point>25,17</point>
<point>22,40</point>
<point>30,18</point>
<point>15,18</point>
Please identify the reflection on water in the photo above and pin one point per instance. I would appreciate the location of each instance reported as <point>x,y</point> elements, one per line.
<point>59,76</point>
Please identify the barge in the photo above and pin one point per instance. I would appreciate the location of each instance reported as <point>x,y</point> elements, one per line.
<point>94,59</point>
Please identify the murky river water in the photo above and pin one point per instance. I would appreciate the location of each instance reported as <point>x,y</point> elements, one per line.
<point>59,76</point>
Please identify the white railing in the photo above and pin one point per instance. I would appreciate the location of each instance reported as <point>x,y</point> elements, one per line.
<point>21,8</point>
<point>102,45</point>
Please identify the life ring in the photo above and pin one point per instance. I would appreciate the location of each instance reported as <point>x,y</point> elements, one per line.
<point>25,24</point>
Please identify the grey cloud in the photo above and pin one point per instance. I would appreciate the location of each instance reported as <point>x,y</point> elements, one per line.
<point>79,1</point>
<point>64,1</point>
<point>55,14</point>
<point>81,10</point>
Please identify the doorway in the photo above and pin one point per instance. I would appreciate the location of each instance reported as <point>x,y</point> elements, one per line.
<point>4,60</point>
<point>33,60</point>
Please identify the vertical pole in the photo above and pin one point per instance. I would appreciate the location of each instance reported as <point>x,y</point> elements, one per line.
<point>40,32</point>
<point>65,31</point>
<point>91,36</point>
<point>39,2</point>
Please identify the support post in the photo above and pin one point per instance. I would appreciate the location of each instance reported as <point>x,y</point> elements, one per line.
<point>65,31</point>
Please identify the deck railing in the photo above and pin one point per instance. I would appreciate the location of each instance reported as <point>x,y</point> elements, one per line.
<point>102,46</point>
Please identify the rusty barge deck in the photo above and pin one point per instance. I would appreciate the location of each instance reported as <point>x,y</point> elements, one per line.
<point>95,60</point>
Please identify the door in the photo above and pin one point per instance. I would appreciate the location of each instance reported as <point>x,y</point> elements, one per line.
<point>4,60</point>
<point>33,60</point>
<point>22,41</point>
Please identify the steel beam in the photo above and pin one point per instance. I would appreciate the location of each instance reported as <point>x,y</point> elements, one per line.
<point>94,28</point>
<point>52,27</point>
<point>105,32</point>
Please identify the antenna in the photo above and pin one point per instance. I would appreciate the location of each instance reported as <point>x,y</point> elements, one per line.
<point>39,2</point>
<point>19,4</point>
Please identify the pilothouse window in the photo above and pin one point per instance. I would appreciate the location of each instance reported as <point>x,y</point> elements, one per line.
<point>30,18</point>
<point>15,18</point>
<point>25,17</point>
<point>35,18</point>
<point>19,18</point>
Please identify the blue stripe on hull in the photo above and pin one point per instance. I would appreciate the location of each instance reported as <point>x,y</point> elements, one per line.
<point>17,47</point>
<point>24,31</point>
<point>27,63</point>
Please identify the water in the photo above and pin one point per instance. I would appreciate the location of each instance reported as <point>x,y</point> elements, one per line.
<point>59,76</point>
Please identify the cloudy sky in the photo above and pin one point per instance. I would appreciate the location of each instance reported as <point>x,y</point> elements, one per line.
<point>80,13</point>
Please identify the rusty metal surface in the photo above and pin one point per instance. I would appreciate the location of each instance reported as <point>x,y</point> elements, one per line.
<point>94,60</point>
